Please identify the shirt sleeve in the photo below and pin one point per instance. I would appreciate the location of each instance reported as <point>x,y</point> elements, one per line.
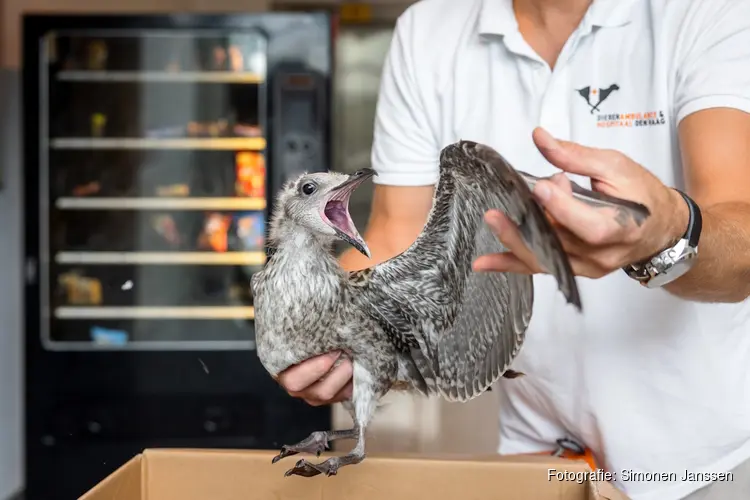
<point>404,149</point>
<point>715,69</point>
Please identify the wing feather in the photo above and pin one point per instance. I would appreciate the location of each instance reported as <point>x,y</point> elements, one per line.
<point>468,326</point>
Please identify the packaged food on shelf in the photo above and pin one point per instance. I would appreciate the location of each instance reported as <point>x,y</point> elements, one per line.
<point>250,230</point>
<point>251,174</point>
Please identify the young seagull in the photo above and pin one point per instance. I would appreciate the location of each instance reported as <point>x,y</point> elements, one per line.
<point>421,321</point>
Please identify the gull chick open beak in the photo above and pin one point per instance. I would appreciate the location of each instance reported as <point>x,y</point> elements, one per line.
<point>336,210</point>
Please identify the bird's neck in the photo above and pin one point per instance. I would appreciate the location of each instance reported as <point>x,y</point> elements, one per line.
<point>303,270</point>
<point>296,244</point>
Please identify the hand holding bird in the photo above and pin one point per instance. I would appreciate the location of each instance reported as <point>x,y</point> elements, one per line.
<point>319,380</point>
<point>598,240</point>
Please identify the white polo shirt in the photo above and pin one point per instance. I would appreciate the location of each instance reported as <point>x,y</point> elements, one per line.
<point>650,382</point>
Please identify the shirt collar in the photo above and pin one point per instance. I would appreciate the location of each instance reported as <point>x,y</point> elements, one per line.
<point>609,13</point>
<point>496,17</point>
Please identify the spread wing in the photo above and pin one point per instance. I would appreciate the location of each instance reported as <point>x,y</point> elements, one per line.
<point>463,329</point>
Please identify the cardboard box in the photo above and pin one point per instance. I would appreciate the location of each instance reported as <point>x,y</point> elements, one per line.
<point>175,474</point>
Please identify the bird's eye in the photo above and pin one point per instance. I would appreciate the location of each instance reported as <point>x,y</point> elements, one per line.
<point>308,188</point>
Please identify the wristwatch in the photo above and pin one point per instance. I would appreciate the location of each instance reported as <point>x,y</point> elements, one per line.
<point>672,262</point>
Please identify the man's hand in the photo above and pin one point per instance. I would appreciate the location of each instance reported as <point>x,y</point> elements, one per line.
<point>318,381</point>
<point>598,240</point>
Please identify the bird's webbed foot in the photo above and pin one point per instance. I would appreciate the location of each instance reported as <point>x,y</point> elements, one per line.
<point>330,467</point>
<point>315,444</point>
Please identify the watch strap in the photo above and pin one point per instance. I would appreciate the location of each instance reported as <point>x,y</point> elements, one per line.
<point>651,273</point>
<point>695,220</point>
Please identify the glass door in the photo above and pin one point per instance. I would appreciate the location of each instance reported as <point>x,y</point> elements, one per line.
<point>153,179</point>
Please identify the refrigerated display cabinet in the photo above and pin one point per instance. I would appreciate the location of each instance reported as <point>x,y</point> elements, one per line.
<point>153,147</point>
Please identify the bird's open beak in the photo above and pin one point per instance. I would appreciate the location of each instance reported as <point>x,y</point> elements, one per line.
<point>336,210</point>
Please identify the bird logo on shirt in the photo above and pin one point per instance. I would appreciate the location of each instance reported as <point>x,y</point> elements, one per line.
<point>587,93</point>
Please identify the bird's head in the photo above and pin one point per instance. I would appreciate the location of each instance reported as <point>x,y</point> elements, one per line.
<point>319,204</point>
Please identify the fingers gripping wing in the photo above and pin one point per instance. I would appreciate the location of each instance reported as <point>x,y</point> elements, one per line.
<point>467,326</point>
<point>488,329</point>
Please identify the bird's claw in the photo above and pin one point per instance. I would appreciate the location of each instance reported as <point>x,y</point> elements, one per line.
<point>306,469</point>
<point>315,444</point>
<point>286,451</point>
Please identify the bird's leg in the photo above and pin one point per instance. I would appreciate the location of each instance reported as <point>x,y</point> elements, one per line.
<point>315,443</point>
<point>331,466</point>
<point>365,395</point>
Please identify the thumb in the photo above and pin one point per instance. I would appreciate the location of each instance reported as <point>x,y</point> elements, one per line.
<point>572,157</point>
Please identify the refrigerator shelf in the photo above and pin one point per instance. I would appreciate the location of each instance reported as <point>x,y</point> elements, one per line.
<point>142,312</point>
<point>161,76</point>
<point>212,143</point>
<point>101,203</point>
<point>163,258</point>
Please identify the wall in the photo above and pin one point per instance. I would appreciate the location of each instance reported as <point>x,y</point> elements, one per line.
<point>11,303</point>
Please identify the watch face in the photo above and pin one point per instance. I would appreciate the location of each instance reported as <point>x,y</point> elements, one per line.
<point>681,266</point>
<point>665,267</point>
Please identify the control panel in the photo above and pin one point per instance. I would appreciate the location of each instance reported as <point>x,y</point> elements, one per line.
<point>299,100</point>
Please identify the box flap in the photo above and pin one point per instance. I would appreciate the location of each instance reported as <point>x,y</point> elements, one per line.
<point>126,483</point>
<point>250,475</point>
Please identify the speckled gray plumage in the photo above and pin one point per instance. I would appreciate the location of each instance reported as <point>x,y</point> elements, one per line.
<point>421,320</point>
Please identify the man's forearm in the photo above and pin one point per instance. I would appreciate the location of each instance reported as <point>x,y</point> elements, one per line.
<point>352,260</point>
<point>383,244</point>
<point>380,250</point>
<point>722,269</point>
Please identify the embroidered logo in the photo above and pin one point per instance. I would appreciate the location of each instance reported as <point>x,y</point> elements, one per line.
<point>588,93</point>
<point>594,97</point>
